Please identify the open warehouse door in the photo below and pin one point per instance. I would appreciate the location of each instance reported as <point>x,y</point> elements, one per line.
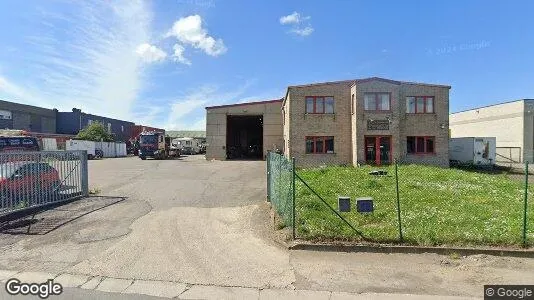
<point>244,137</point>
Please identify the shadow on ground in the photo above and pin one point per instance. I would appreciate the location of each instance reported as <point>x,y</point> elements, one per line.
<point>44,221</point>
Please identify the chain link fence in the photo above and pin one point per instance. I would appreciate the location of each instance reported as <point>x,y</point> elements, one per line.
<point>281,186</point>
<point>34,179</point>
<point>420,204</point>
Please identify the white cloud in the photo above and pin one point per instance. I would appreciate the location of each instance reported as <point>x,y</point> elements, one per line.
<point>189,31</point>
<point>300,25</point>
<point>179,54</point>
<point>93,65</point>
<point>303,31</point>
<point>294,18</point>
<point>150,53</point>
<point>184,108</point>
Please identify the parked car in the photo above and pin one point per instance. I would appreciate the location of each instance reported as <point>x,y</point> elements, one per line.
<point>27,180</point>
<point>18,143</point>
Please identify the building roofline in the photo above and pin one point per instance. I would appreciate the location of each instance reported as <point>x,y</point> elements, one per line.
<point>398,82</point>
<point>490,105</point>
<point>245,103</point>
<point>28,105</point>
<point>348,81</point>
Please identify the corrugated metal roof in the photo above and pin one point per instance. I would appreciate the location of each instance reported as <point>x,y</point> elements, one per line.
<point>186,133</point>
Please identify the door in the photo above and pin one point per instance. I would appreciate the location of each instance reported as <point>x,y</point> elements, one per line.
<point>378,150</point>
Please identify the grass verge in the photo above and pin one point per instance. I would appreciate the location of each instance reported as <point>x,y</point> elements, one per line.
<point>438,206</point>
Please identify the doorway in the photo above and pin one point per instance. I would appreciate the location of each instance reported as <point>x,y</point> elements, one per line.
<point>378,150</point>
<point>244,137</point>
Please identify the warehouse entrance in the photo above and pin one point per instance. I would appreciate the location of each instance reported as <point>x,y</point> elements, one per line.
<point>244,137</point>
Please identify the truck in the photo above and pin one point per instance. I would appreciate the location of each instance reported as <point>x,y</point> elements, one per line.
<point>475,151</point>
<point>154,144</point>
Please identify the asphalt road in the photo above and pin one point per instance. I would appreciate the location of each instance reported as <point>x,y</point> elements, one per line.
<point>202,222</point>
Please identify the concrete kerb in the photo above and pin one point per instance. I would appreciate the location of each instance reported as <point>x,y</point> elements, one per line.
<point>464,251</point>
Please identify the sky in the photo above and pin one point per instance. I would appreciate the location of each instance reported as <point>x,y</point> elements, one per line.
<point>161,62</point>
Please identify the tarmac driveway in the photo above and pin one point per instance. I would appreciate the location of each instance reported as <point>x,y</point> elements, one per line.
<point>205,223</point>
<point>187,220</point>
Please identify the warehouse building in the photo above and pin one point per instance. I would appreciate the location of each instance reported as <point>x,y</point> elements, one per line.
<point>512,123</point>
<point>243,130</point>
<point>350,122</point>
<point>26,117</point>
<point>73,122</point>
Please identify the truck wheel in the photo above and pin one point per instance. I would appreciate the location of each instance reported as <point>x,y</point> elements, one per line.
<point>142,157</point>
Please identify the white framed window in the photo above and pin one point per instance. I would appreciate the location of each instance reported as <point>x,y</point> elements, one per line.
<point>5,114</point>
<point>109,127</point>
<point>122,128</point>
<point>89,122</point>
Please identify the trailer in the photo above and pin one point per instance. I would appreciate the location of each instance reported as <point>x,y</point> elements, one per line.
<point>187,145</point>
<point>477,151</point>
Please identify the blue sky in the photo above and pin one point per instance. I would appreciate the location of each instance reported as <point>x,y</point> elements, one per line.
<point>161,62</point>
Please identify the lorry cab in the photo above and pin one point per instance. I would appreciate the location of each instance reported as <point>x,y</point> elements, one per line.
<point>152,144</point>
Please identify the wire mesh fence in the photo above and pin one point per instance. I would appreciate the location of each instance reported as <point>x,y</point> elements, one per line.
<point>33,179</point>
<point>413,204</point>
<point>281,186</point>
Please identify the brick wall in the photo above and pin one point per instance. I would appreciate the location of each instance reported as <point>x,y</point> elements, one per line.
<point>349,128</point>
<point>337,125</point>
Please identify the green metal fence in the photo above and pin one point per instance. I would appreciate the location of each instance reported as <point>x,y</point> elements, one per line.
<point>281,187</point>
<point>413,204</point>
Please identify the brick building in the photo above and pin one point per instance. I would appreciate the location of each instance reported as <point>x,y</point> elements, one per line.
<point>348,122</point>
<point>372,120</point>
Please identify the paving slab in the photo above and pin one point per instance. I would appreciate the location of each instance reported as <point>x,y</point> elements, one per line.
<point>6,274</point>
<point>72,280</point>
<point>34,277</point>
<point>156,288</point>
<point>92,283</point>
<point>275,294</point>
<point>115,285</point>
<point>217,292</point>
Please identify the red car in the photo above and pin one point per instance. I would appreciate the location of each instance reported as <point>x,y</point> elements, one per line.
<point>27,180</point>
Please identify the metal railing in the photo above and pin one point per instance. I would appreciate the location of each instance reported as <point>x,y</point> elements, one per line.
<point>34,179</point>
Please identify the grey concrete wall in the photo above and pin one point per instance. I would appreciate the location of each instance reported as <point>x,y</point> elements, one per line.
<point>27,117</point>
<point>216,121</point>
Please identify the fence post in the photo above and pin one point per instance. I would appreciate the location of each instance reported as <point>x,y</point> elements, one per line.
<point>294,196</point>
<point>268,177</point>
<point>525,207</point>
<point>85,173</point>
<point>398,203</point>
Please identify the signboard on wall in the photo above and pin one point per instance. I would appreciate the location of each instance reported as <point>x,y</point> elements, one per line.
<point>377,124</point>
<point>5,114</point>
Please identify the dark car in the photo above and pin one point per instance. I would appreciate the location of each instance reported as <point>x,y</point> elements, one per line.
<point>23,180</point>
<point>18,143</point>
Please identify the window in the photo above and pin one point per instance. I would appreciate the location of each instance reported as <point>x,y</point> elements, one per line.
<point>329,105</point>
<point>420,105</point>
<point>319,105</point>
<point>420,145</point>
<point>377,101</point>
<point>352,104</point>
<point>122,128</point>
<point>109,127</point>
<point>319,144</point>
<point>89,122</point>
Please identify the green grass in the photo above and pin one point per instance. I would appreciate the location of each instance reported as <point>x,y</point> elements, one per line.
<point>438,206</point>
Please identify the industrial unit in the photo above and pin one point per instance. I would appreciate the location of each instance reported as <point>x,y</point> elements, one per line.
<point>244,130</point>
<point>512,123</point>
<point>27,117</point>
<point>371,120</point>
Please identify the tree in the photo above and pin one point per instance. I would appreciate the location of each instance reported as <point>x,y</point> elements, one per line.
<point>95,132</point>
